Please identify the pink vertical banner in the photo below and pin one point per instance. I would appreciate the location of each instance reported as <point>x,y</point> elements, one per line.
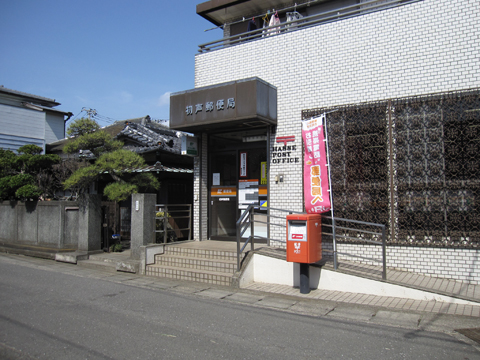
<point>315,170</point>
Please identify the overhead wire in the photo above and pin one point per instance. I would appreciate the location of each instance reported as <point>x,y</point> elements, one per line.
<point>93,114</point>
<point>73,118</point>
<point>104,118</point>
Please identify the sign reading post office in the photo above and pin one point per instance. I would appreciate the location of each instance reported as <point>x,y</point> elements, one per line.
<point>224,106</point>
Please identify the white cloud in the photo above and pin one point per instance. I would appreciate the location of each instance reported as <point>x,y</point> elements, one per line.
<point>82,99</point>
<point>164,99</point>
<point>125,96</point>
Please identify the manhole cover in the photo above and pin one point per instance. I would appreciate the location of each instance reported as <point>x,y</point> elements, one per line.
<point>473,333</point>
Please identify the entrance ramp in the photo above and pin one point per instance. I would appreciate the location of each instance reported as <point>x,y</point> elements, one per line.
<point>267,270</point>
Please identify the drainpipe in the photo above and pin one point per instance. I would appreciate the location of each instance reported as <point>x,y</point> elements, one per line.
<point>69,114</point>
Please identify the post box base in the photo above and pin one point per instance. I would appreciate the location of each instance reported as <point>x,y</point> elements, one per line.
<point>304,278</point>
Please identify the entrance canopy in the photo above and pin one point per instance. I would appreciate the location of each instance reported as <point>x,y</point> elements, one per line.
<point>237,105</point>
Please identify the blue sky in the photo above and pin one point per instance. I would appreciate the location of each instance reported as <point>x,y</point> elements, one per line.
<point>121,58</point>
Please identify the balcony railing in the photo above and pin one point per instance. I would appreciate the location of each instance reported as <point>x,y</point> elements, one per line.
<point>305,22</point>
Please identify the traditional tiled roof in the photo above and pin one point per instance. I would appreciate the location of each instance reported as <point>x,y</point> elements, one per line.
<point>158,167</point>
<point>140,135</point>
<point>150,137</point>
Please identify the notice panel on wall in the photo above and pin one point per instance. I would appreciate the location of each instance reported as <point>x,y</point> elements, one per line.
<point>189,146</point>
<point>247,193</point>
<point>315,171</point>
<point>243,164</point>
<point>263,172</point>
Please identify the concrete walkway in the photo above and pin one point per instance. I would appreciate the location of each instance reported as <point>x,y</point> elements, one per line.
<point>373,300</point>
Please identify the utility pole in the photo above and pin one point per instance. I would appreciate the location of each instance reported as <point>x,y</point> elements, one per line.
<point>90,112</point>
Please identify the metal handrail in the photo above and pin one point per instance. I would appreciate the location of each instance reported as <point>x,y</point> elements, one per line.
<point>247,220</point>
<point>167,209</point>
<point>305,22</point>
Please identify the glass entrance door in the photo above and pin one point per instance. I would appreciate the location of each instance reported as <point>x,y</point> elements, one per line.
<point>223,195</point>
<point>237,178</point>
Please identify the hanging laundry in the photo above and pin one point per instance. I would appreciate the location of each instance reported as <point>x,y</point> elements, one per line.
<point>252,25</point>
<point>273,26</point>
<point>292,16</point>
<point>266,22</point>
<point>292,19</point>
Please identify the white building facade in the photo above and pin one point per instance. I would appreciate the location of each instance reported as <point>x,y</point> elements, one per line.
<point>404,49</point>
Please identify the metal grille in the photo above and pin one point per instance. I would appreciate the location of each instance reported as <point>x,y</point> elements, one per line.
<point>410,163</point>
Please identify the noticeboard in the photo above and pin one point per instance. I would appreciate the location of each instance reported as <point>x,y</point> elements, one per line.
<point>247,193</point>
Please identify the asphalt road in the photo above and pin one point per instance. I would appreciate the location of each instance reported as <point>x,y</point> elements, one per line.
<point>56,315</point>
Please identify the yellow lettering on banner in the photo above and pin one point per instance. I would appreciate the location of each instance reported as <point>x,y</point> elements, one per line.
<point>312,123</point>
<point>317,193</point>
<point>316,182</point>
<point>317,198</point>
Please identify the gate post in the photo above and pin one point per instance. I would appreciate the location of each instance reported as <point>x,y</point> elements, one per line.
<point>143,223</point>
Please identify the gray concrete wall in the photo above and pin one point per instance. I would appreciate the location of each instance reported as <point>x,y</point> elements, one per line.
<point>71,227</point>
<point>51,224</point>
<point>8,220</point>
<point>143,223</point>
<point>90,222</point>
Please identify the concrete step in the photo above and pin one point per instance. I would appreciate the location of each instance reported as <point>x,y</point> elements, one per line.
<point>201,253</point>
<point>107,266</point>
<point>210,277</point>
<point>106,257</point>
<point>199,263</point>
<point>72,257</point>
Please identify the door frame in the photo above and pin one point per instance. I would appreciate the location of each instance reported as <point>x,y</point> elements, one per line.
<point>237,148</point>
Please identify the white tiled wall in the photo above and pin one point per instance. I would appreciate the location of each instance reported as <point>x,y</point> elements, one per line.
<point>457,264</point>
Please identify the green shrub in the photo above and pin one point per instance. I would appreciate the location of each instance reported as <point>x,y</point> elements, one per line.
<point>119,191</point>
<point>9,185</point>
<point>28,192</point>
<point>116,248</point>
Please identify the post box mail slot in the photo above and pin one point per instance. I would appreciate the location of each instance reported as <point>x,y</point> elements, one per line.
<point>304,238</point>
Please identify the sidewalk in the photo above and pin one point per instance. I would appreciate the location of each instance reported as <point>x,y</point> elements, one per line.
<point>375,310</point>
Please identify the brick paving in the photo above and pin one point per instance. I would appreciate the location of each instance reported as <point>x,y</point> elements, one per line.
<point>373,300</point>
